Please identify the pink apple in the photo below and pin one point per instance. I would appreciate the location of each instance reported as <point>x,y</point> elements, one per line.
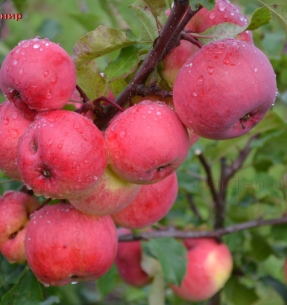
<point>209,267</point>
<point>223,11</point>
<point>128,261</point>
<point>64,245</point>
<point>15,208</point>
<point>151,204</point>
<point>12,125</point>
<point>174,60</point>
<point>38,73</point>
<point>108,196</point>
<point>146,142</point>
<point>62,154</point>
<point>224,89</point>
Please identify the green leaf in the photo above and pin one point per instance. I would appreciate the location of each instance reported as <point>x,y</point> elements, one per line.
<point>260,249</point>
<point>220,31</point>
<point>51,300</point>
<point>239,294</point>
<point>278,232</point>
<point>88,20</point>
<point>279,287</point>
<point>124,65</point>
<point>99,42</point>
<point>27,291</point>
<point>106,283</point>
<point>172,256</point>
<point>279,8</point>
<point>209,4</point>
<point>260,17</point>
<point>149,31</point>
<point>90,80</point>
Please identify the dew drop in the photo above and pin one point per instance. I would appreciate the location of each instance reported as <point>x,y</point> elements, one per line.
<point>212,15</point>
<point>21,71</point>
<point>74,283</point>
<point>54,79</point>
<point>232,13</point>
<point>36,46</point>
<point>122,134</point>
<point>46,285</point>
<point>194,94</point>
<point>158,113</point>
<point>210,70</point>
<point>48,94</point>
<point>46,73</point>
<point>255,69</point>
<point>15,62</point>
<point>221,7</point>
<point>200,80</point>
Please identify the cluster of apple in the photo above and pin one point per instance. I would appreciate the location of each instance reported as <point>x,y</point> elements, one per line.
<point>124,175</point>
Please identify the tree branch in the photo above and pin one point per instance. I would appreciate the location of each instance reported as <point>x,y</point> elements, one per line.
<point>196,234</point>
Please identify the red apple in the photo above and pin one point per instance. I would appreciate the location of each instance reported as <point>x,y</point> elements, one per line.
<point>128,261</point>
<point>146,142</point>
<point>223,11</point>
<point>62,154</point>
<point>15,208</point>
<point>174,60</point>
<point>108,196</point>
<point>209,267</point>
<point>151,204</point>
<point>38,73</point>
<point>12,125</point>
<point>64,245</point>
<point>224,89</point>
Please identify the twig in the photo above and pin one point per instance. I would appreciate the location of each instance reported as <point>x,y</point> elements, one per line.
<point>193,206</point>
<point>82,94</point>
<point>196,234</point>
<point>191,39</point>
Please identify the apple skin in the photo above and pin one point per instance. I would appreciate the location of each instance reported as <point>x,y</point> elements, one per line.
<point>224,89</point>
<point>128,261</point>
<point>209,267</point>
<point>61,155</point>
<point>64,245</point>
<point>223,11</point>
<point>108,196</point>
<point>174,60</point>
<point>38,73</point>
<point>151,204</point>
<point>12,125</point>
<point>15,208</point>
<point>146,142</point>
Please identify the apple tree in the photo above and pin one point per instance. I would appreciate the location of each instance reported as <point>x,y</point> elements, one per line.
<point>142,152</point>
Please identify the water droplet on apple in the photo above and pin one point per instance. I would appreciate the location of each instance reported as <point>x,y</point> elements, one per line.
<point>200,80</point>
<point>221,7</point>
<point>122,134</point>
<point>46,285</point>
<point>60,146</point>
<point>54,79</point>
<point>210,70</point>
<point>95,178</point>
<point>14,115</point>
<point>74,283</point>
<point>255,69</point>
<point>46,73</point>
<point>20,71</point>
<point>36,46</point>
<point>15,62</point>
<point>212,15</point>
<point>158,113</point>
<point>48,94</point>
<point>232,13</point>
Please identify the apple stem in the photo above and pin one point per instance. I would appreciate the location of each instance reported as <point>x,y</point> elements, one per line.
<point>82,94</point>
<point>191,39</point>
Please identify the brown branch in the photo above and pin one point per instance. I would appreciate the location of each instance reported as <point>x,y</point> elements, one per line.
<point>196,234</point>
<point>82,94</point>
<point>180,14</point>
<point>193,206</point>
<point>191,39</point>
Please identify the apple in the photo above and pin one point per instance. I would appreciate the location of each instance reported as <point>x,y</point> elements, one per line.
<point>209,267</point>
<point>13,123</point>
<point>151,204</point>
<point>61,155</point>
<point>128,261</point>
<point>15,208</point>
<point>224,89</point>
<point>223,11</point>
<point>38,73</point>
<point>64,245</point>
<point>146,142</point>
<point>108,196</point>
<point>174,60</point>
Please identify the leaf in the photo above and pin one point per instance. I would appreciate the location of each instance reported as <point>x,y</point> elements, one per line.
<point>106,283</point>
<point>90,79</point>
<point>260,249</point>
<point>279,287</point>
<point>278,232</point>
<point>220,31</point>
<point>172,256</point>
<point>209,4</point>
<point>51,300</point>
<point>88,20</point>
<point>124,65</point>
<point>152,267</point>
<point>27,291</point>
<point>279,8</point>
<point>99,42</point>
<point>260,17</point>
<point>239,294</point>
<point>149,31</point>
